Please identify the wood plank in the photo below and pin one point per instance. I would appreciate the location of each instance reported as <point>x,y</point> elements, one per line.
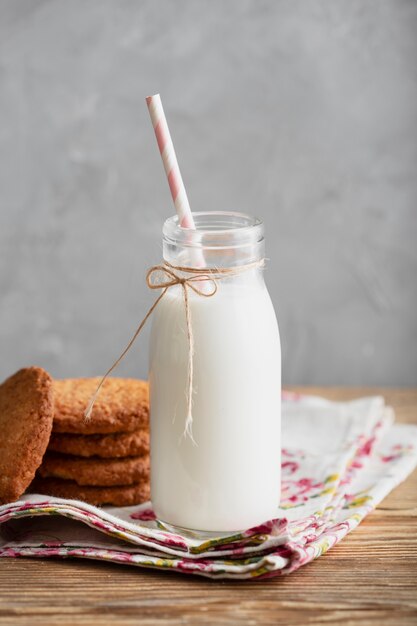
<point>369,578</point>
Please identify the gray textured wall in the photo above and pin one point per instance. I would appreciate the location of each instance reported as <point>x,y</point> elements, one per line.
<point>303,112</point>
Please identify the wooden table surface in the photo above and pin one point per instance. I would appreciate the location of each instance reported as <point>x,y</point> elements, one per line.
<point>369,578</point>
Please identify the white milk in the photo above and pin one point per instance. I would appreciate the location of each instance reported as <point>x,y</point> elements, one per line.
<point>230,479</point>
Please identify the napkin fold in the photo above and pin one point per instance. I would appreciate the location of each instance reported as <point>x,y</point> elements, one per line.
<point>339,460</point>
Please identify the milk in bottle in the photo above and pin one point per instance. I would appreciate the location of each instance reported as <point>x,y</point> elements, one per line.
<point>227,477</point>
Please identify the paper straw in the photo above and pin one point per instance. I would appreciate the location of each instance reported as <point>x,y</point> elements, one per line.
<point>169,159</point>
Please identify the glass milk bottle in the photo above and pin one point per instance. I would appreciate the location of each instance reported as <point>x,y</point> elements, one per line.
<point>226,477</point>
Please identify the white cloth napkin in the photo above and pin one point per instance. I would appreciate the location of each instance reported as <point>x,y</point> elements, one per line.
<point>339,460</point>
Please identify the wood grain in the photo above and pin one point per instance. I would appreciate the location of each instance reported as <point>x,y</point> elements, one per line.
<point>369,578</point>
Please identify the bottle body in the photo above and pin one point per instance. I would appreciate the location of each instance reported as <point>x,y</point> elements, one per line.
<point>228,478</point>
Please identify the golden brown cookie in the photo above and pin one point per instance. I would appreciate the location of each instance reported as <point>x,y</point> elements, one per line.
<point>95,471</point>
<point>121,406</point>
<point>112,445</point>
<point>26,415</point>
<point>123,495</point>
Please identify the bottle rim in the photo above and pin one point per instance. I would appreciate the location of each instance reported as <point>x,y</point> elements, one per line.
<point>215,229</point>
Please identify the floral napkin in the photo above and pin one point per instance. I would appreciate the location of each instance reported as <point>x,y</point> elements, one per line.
<point>339,460</point>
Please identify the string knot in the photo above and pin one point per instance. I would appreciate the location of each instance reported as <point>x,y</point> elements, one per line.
<point>166,276</point>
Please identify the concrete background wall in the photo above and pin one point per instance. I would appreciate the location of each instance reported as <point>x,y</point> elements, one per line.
<point>304,112</point>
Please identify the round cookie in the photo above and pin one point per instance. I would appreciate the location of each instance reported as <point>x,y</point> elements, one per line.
<point>26,415</point>
<point>95,471</point>
<point>121,406</point>
<point>105,446</point>
<point>123,495</point>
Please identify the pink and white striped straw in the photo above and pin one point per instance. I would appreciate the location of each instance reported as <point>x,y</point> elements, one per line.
<point>169,159</point>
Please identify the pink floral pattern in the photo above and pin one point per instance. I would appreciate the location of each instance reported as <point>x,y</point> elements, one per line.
<point>324,497</point>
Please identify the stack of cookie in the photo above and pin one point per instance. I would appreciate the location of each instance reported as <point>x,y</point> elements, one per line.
<point>104,460</point>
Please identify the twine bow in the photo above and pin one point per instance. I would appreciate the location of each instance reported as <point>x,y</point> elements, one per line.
<point>198,280</point>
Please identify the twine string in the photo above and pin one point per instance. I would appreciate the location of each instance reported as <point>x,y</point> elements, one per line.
<point>203,282</point>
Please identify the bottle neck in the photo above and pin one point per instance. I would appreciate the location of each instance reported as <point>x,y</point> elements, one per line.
<point>204,258</point>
